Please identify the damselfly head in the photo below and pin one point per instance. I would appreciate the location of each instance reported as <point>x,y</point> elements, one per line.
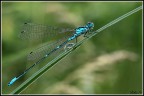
<point>90,25</point>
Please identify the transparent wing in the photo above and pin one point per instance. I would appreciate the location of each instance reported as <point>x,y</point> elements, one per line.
<point>33,31</point>
<point>45,49</point>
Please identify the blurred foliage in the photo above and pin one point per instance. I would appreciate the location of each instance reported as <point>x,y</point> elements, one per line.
<point>109,63</point>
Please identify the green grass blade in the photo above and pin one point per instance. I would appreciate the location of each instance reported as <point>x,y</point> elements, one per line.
<point>39,73</point>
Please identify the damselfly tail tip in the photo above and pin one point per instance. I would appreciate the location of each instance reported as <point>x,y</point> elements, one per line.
<point>30,52</point>
<point>25,23</point>
<point>22,31</point>
<point>9,84</point>
<point>12,81</point>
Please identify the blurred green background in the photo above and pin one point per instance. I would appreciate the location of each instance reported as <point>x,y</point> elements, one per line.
<point>109,63</point>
